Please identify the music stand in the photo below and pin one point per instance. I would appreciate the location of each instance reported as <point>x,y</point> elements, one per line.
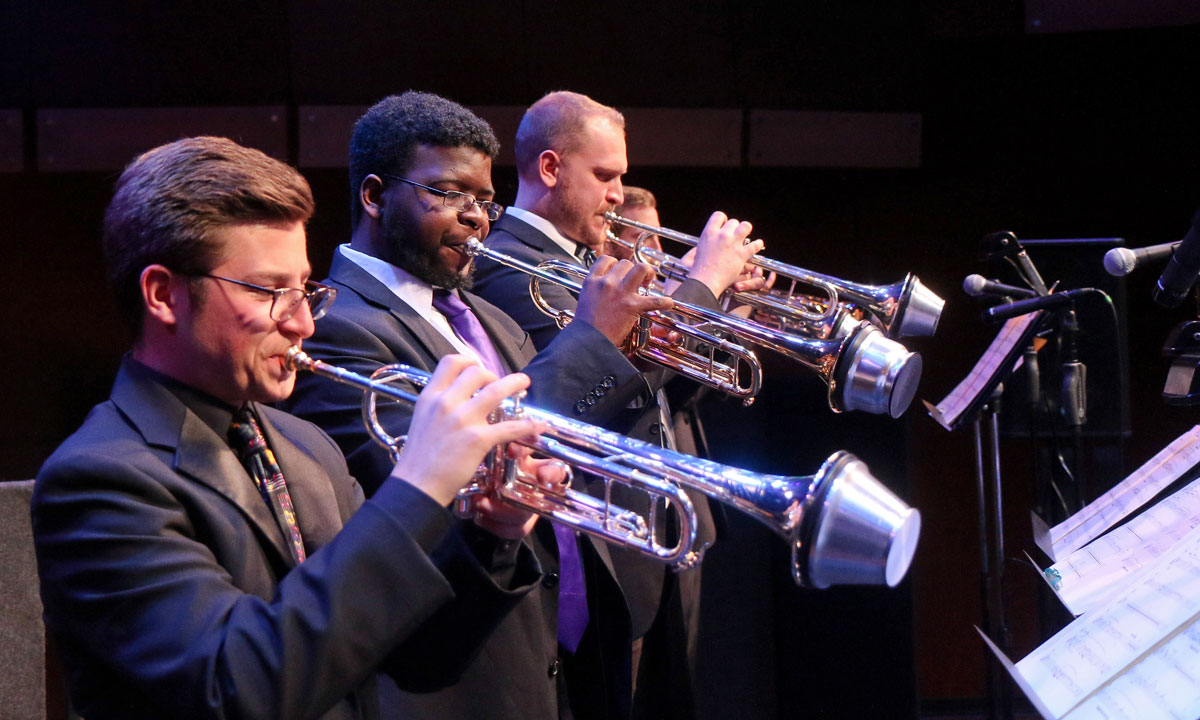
<point>976,400</point>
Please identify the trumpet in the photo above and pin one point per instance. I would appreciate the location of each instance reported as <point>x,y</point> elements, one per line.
<point>904,309</point>
<point>844,527</point>
<point>863,370</point>
<point>805,314</point>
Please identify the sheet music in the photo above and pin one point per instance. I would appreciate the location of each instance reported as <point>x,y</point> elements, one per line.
<point>1080,660</point>
<point>1162,686</point>
<point>1085,577</point>
<point>960,398</point>
<point>1126,496</point>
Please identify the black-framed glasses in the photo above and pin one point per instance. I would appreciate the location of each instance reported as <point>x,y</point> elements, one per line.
<point>455,200</point>
<point>286,301</point>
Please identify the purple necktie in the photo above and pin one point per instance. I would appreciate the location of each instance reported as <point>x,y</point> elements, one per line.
<point>468,328</point>
<point>572,595</point>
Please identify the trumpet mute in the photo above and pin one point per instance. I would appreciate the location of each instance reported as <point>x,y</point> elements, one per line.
<point>920,314</point>
<point>861,534</point>
<point>880,375</point>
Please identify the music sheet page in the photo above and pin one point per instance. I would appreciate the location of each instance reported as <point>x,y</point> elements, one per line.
<point>1132,629</point>
<point>1085,577</point>
<point>1126,496</point>
<point>1160,687</point>
<point>960,398</point>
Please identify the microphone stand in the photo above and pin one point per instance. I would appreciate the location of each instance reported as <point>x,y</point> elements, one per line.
<point>1073,399</point>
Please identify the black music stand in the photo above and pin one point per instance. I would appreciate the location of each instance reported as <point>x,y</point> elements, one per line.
<point>976,401</point>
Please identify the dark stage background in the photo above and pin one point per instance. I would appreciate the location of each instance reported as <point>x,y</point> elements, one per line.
<point>967,117</point>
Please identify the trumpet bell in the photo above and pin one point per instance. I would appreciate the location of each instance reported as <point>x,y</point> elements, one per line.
<point>879,375</point>
<point>856,532</point>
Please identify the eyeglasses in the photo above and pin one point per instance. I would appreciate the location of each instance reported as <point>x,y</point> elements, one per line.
<point>456,200</point>
<point>286,301</point>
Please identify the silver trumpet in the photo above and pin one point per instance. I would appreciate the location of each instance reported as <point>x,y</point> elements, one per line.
<point>905,309</point>
<point>803,313</point>
<point>844,527</point>
<point>863,370</point>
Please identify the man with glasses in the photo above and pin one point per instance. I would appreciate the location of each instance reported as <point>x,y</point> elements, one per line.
<point>421,186</point>
<point>202,554</point>
<point>420,175</point>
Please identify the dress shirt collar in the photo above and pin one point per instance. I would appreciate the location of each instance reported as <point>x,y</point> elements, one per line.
<point>547,228</point>
<point>216,414</point>
<point>413,291</point>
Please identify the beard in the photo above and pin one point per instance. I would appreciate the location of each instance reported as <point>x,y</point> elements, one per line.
<point>423,262</point>
<point>572,219</point>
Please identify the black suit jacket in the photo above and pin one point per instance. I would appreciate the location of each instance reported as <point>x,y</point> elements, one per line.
<point>665,607</point>
<point>508,289</point>
<point>520,673</point>
<point>368,326</point>
<point>170,590</point>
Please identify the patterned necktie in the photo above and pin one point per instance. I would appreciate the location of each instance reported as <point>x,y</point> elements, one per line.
<point>248,441</point>
<point>467,327</point>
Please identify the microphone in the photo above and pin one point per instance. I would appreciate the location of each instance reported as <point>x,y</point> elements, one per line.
<point>976,285</point>
<point>1180,274</point>
<point>1043,302</point>
<point>1121,261</point>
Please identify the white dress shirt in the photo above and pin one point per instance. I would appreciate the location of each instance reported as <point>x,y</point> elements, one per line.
<point>412,291</point>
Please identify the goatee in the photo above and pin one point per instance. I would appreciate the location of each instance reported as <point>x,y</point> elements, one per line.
<point>428,266</point>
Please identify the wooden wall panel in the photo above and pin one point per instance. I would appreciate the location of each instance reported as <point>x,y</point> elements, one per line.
<point>673,53</point>
<point>358,53</point>
<point>142,54</point>
<point>1044,16</point>
<point>93,139</point>
<point>325,132</point>
<point>15,85</point>
<point>678,137</point>
<point>794,138</point>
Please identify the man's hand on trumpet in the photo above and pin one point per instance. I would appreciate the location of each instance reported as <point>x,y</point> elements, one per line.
<point>450,434</point>
<point>720,258</point>
<point>505,520</point>
<point>610,300</point>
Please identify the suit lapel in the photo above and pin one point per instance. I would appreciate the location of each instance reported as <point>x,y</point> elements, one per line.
<point>198,452</point>
<point>532,237</point>
<point>308,485</point>
<point>354,278</point>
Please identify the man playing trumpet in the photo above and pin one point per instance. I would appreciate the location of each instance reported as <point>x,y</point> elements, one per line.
<point>570,153</point>
<point>420,172</point>
<point>204,555</point>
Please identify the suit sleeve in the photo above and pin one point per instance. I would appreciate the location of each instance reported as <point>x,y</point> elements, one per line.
<point>132,585</point>
<point>580,374</point>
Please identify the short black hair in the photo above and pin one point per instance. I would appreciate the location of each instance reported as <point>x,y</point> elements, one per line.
<point>384,138</point>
